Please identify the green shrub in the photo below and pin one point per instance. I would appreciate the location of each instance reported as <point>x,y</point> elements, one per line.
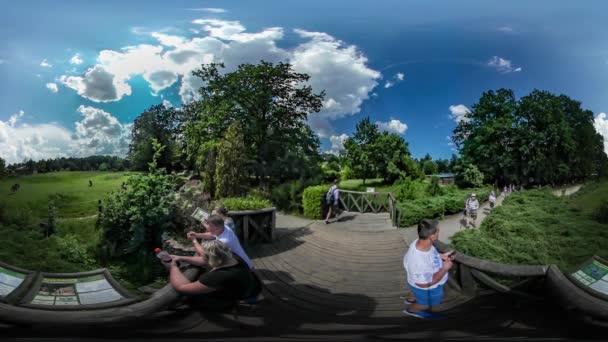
<point>312,200</point>
<point>601,213</point>
<point>535,227</point>
<point>434,189</point>
<point>244,203</point>
<point>407,189</point>
<point>288,196</point>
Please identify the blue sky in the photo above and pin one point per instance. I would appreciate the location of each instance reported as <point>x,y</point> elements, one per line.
<point>76,73</point>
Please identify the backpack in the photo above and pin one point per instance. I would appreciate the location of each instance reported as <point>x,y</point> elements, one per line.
<point>329,196</point>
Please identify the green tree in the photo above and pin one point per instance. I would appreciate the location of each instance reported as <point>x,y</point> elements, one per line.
<point>2,168</point>
<point>160,123</point>
<point>271,103</point>
<point>542,138</point>
<point>470,177</point>
<point>134,219</point>
<point>231,160</point>
<point>370,153</point>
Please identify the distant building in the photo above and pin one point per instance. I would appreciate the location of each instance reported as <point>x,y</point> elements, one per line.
<point>23,171</point>
<point>445,178</point>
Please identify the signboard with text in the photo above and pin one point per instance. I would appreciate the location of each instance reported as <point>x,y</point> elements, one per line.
<point>10,280</point>
<point>593,275</point>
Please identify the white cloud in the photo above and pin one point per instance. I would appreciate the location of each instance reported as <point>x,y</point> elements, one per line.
<point>459,112</point>
<point>334,66</point>
<point>388,84</point>
<point>76,59</point>
<point>337,143</point>
<point>45,64</point>
<point>393,126</point>
<point>601,126</point>
<point>98,84</point>
<point>52,87</point>
<point>207,9</point>
<point>504,66</point>
<point>340,70</point>
<point>167,103</point>
<point>505,29</point>
<point>399,76</point>
<point>98,133</point>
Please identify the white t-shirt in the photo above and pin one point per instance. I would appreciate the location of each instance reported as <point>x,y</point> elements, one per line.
<point>232,241</point>
<point>420,266</point>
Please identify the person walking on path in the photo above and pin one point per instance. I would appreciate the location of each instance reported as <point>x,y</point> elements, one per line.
<point>471,207</point>
<point>492,199</point>
<point>332,198</point>
<point>427,270</point>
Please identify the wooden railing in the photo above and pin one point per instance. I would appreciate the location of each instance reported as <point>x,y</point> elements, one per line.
<point>371,202</point>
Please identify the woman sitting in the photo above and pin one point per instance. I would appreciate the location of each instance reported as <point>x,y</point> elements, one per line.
<point>228,280</point>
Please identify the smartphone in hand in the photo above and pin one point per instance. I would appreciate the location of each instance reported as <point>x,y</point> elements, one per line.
<point>200,215</point>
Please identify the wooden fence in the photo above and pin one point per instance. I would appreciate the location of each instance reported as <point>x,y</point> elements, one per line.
<point>371,202</point>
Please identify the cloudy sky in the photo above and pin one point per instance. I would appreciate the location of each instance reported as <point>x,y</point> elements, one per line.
<point>77,73</point>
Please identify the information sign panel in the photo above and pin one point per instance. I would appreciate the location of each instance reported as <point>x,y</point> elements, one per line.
<point>593,275</point>
<point>9,281</point>
<point>94,289</point>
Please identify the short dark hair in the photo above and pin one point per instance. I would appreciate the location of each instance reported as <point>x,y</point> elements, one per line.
<point>426,228</point>
<point>222,210</point>
<point>216,221</point>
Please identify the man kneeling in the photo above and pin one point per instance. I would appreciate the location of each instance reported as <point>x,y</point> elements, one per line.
<point>426,269</point>
<point>228,280</point>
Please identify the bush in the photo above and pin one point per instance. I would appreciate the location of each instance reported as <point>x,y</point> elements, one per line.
<point>312,201</point>
<point>244,203</point>
<point>469,177</point>
<point>434,189</point>
<point>288,196</point>
<point>535,227</point>
<point>407,189</point>
<point>601,213</point>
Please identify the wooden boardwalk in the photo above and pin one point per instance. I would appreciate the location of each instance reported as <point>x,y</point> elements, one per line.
<point>349,268</point>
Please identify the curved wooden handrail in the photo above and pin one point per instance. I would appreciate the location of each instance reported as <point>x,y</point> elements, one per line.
<point>252,212</point>
<point>495,267</point>
<point>159,301</point>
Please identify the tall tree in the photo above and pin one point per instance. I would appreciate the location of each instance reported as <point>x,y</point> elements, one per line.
<point>231,160</point>
<point>160,123</point>
<point>542,138</point>
<point>270,102</point>
<point>2,168</point>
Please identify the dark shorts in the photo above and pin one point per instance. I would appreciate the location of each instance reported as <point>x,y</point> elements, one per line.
<point>430,297</point>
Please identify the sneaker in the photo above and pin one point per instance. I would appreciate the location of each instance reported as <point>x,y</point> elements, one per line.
<point>408,302</point>
<point>419,314</point>
<point>326,222</point>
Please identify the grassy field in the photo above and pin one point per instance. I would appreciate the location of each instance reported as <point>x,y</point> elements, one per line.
<point>68,191</point>
<point>536,227</point>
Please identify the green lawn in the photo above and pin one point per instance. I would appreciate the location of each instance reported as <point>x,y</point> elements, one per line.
<point>69,191</point>
<point>536,227</point>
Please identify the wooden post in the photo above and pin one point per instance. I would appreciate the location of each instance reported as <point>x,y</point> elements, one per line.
<point>273,224</point>
<point>246,229</point>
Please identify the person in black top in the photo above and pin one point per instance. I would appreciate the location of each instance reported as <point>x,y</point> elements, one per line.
<point>228,280</point>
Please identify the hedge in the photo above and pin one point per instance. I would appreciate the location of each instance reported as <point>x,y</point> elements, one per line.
<point>311,200</point>
<point>244,203</point>
<point>436,207</point>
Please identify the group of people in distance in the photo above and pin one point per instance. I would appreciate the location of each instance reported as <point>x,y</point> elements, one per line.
<point>227,270</point>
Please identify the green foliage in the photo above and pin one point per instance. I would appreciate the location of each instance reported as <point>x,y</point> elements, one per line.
<point>133,220</point>
<point>2,168</point>
<point>470,176</point>
<point>370,153</point>
<point>601,213</point>
<point>288,196</point>
<point>230,180</point>
<point>536,227</point>
<point>160,123</point>
<point>271,104</point>
<point>245,203</point>
<point>421,206</point>
<point>312,200</point>
<point>434,189</point>
<point>407,189</point>
<point>541,138</point>
<point>347,173</point>
<point>50,229</point>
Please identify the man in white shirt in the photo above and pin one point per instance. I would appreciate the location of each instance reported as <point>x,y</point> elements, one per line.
<point>216,230</point>
<point>427,270</point>
<point>472,205</point>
